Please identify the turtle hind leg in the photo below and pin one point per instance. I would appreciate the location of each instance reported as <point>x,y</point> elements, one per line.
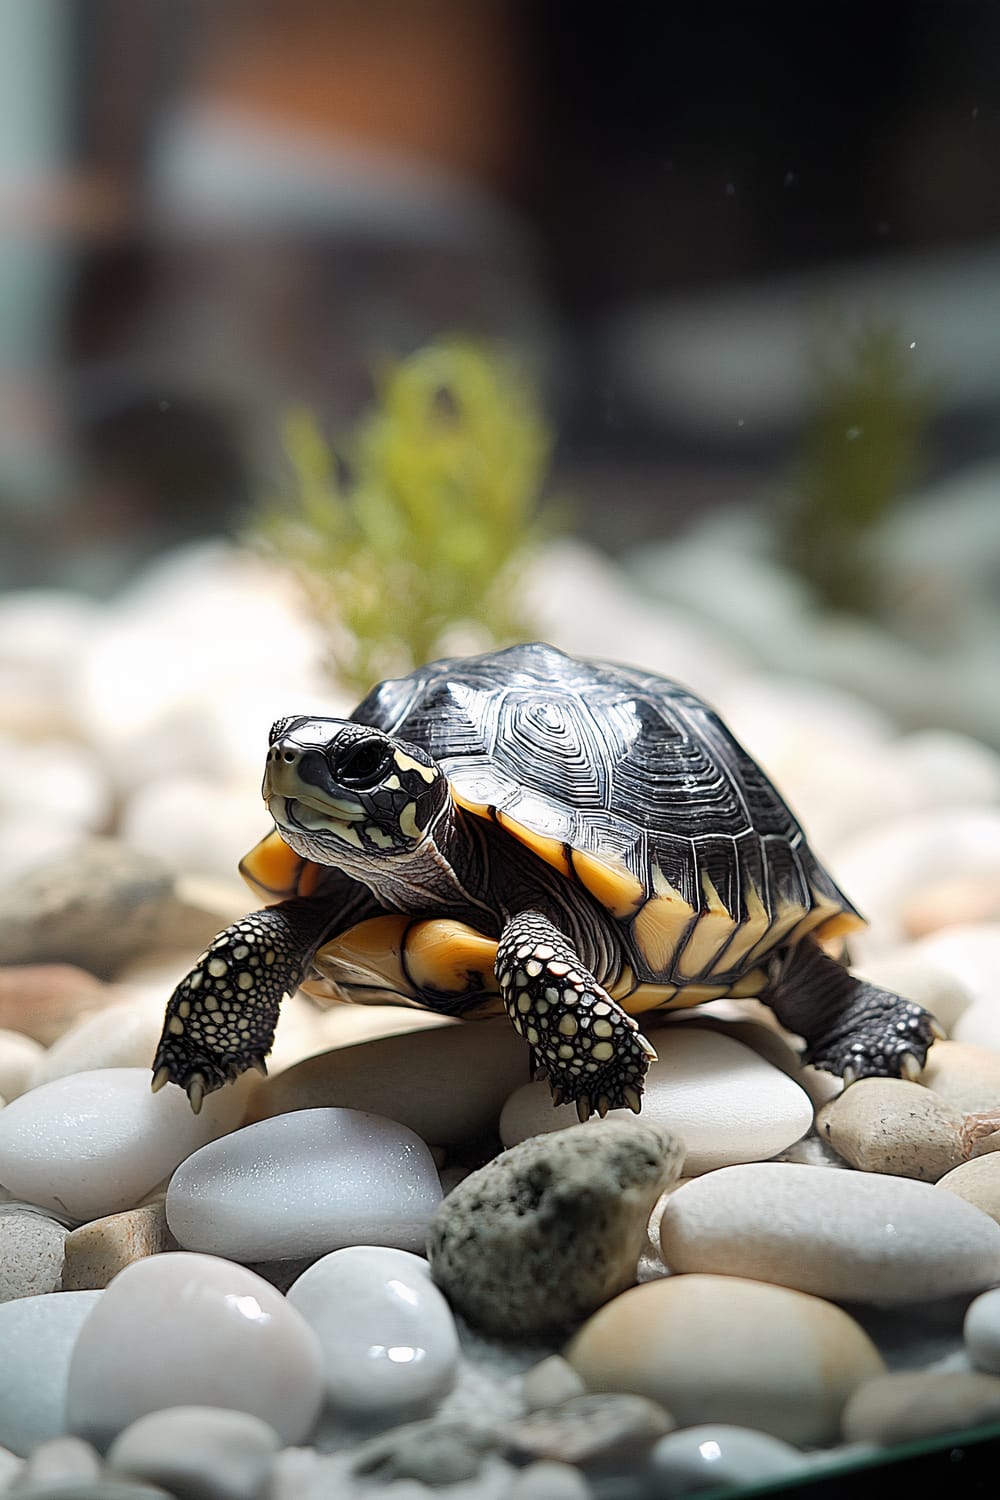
<point>220,1019</point>
<point>850,1026</point>
<point>589,1049</point>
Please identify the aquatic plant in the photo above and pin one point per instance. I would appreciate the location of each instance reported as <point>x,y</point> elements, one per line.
<point>414,528</point>
<point>862,449</point>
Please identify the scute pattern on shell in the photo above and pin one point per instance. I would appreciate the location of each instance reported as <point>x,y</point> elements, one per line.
<point>620,764</point>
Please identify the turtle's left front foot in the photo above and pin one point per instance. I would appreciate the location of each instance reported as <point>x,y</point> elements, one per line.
<point>850,1026</point>
<point>591,1051</point>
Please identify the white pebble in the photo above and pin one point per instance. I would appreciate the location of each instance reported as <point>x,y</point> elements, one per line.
<point>95,1143</point>
<point>37,1335</point>
<point>122,1036</point>
<point>723,1100</point>
<point>388,1335</point>
<point>19,1056</point>
<point>971,953</point>
<point>982,1332</point>
<point>854,1236</point>
<point>197,1452</point>
<point>31,1255</point>
<point>710,1457</point>
<point>194,822</point>
<point>62,1460</point>
<point>906,971</point>
<point>200,1331</point>
<point>303,1184</point>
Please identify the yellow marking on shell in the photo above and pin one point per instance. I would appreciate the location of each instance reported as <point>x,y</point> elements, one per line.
<point>623,985</point>
<point>711,932</point>
<point>368,955</point>
<point>478,809</point>
<point>652,997</point>
<point>408,821</point>
<point>553,851</point>
<point>407,763</point>
<point>824,909</point>
<point>442,954</point>
<point>747,935</point>
<point>610,880</point>
<point>662,923</point>
<point>787,916</point>
<point>748,985</point>
<point>272,870</point>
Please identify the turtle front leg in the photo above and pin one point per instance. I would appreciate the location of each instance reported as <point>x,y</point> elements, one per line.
<point>220,1019</point>
<point>850,1027</point>
<point>590,1050</point>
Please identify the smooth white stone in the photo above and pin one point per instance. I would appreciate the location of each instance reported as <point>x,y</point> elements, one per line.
<point>179,1329</point>
<point>850,1236</point>
<point>62,1459</point>
<point>303,1184</point>
<point>710,1457</point>
<point>971,953</point>
<point>197,1452</point>
<point>11,1467</point>
<point>194,822</point>
<point>95,1143</point>
<point>58,779</point>
<point>37,1335</point>
<point>389,1339</point>
<point>31,1255</point>
<point>122,1036</point>
<point>979,1026</point>
<point>982,1332</point>
<point>954,768</point>
<point>724,1101</point>
<point>19,1056</point>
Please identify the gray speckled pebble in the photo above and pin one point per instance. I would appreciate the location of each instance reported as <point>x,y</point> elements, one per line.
<point>31,1255</point>
<point>551,1229</point>
<point>197,1452</point>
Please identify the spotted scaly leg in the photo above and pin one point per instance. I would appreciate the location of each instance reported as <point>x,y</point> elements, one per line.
<point>220,1019</point>
<point>590,1050</point>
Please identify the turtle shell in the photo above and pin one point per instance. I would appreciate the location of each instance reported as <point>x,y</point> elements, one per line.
<point>630,785</point>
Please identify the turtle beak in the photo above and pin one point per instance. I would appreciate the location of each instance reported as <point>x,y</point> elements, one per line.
<point>299,788</point>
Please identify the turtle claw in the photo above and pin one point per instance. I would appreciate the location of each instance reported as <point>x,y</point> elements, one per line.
<point>603,1105</point>
<point>583,1108</point>
<point>849,1075</point>
<point>195,1089</point>
<point>160,1077</point>
<point>557,1096</point>
<point>633,1099</point>
<point>937,1030</point>
<point>259,1065</point>
<point>910,1066</point>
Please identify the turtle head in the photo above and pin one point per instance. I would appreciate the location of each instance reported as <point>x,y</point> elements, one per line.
<point>346,794</point>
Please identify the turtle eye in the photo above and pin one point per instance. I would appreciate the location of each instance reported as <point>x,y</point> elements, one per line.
<point>364,765</point>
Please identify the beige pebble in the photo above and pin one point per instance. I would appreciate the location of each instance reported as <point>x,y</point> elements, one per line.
<point>890,1125</point>
<point>446,1083</point>
<point>912,1404</point>
<point>97,1251</point>
<point>42,1000</point>
<point>725,1349</point>
<point>951,903</point>
<point>849,1236</point>
<point>967,1076</point>
<point>19,1055</point>
<point>908,971</point>
<point>306,1028</point>
<point>977,1182</point>
<point>122,1036</point>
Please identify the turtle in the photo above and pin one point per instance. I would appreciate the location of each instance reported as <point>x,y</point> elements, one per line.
<point>575,843</point>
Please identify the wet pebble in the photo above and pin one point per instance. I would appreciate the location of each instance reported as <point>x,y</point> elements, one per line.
<point>95,1143</point>
<point>197,1452</point>
<point>725,1349</point>
<point>890,1125</point>
<point>552,1228</point>
<point>31,1255</point>
<point>388,1336</point>
<point>303,1184</point>
<point>846,1235</point>
<point>97,1251</point>
<point>711,1457</point>
<point>255,1353</point>
<point>907,1405</point>
<point>37,1335</point>
<point>724,1101</point>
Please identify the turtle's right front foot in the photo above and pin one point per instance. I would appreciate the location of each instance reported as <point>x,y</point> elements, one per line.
<point>220,1020</point>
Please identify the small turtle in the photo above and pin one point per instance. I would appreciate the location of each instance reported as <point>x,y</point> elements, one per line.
<point>572,842</point>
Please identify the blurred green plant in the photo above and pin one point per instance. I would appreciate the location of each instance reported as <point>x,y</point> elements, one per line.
<point>417,525</point>
<point>862,449</point>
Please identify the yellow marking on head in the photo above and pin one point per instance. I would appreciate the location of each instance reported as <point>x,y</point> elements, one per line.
<point>747,935</point>
<point>407,763</point>
<point>272,870</point>
<point>610,880</point>
<point>553,851</point>
<point>393,784</point>
<point>408,821</point>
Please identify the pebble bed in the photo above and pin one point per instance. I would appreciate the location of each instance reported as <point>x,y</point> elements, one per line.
<point>392,1268</point>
